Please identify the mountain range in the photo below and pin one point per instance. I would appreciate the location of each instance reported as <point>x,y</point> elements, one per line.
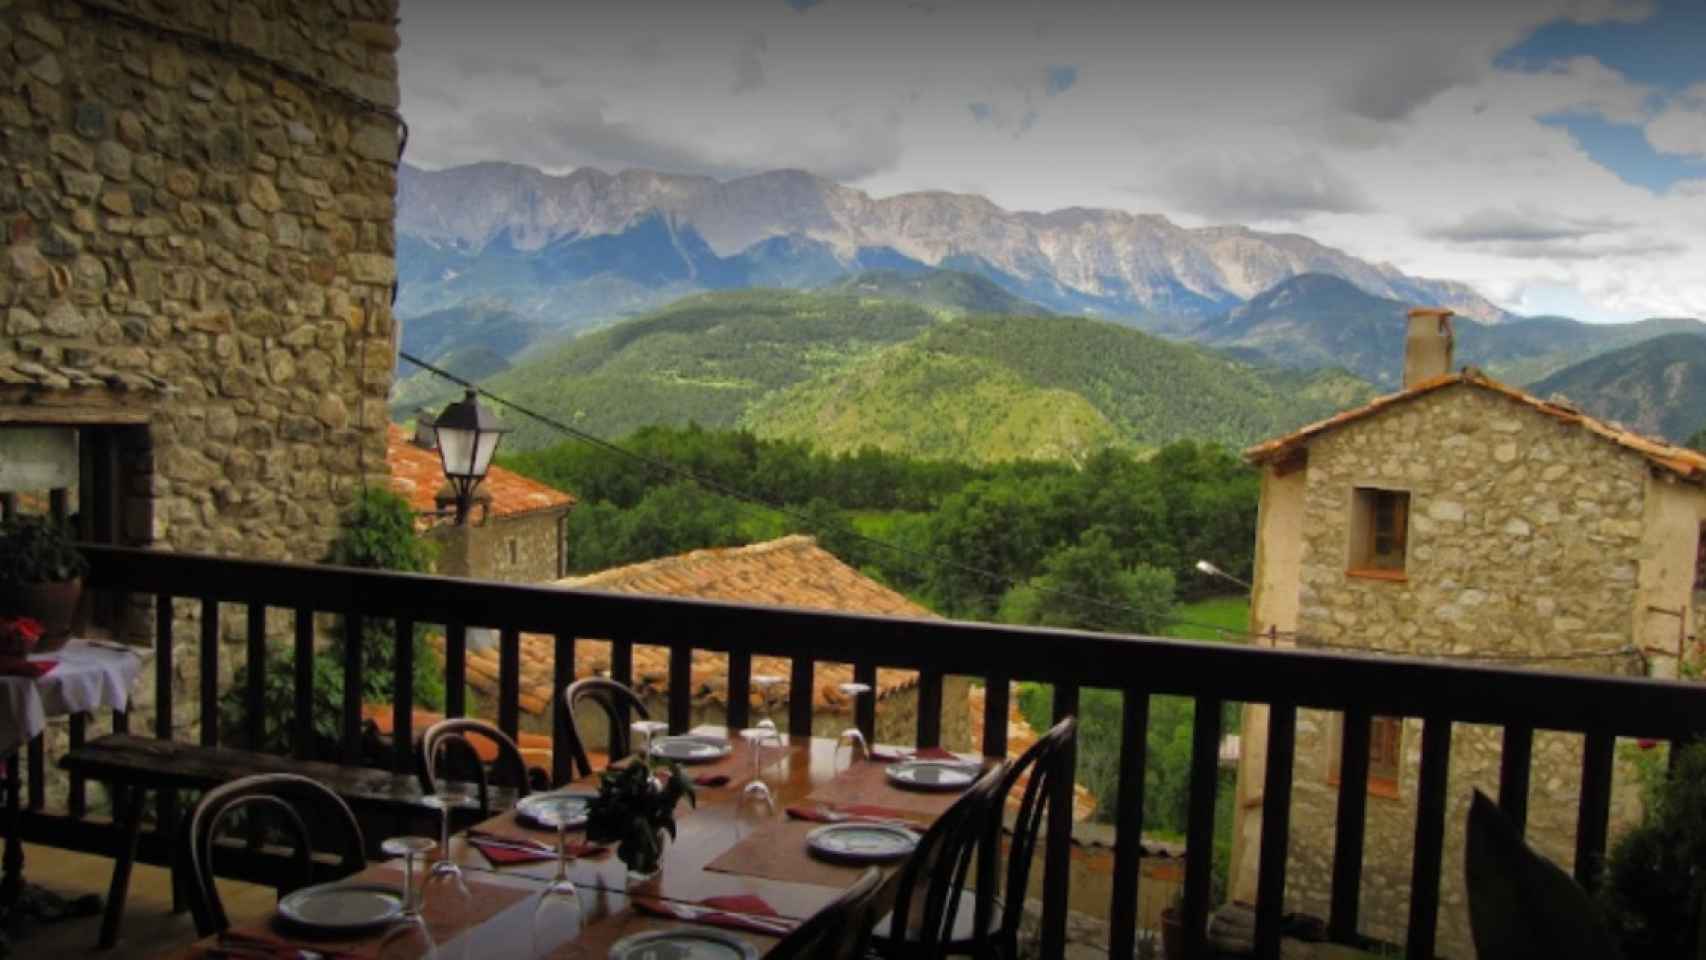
<point>589,247</point>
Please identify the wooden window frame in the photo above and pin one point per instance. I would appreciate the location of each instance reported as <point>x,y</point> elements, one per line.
<point>1378,513</point>
<point>1384,774</point>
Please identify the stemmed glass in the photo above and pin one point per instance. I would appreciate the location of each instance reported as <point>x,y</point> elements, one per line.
<point>853,736</point>
<point>409,939</point>
<point>557,917</point>
<point>755,737</point>
<point>644,731</point>
<point>445,886</point>
<point>763,682</point>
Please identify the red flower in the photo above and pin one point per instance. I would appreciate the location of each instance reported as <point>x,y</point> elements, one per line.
<point>1646,744</point>
<point>21,628</point>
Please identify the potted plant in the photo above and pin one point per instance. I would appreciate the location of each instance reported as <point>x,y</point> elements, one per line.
<point>41,575</point>
<point>635,808</point>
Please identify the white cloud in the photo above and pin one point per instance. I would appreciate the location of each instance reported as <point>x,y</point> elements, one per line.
<point>1680,128</point>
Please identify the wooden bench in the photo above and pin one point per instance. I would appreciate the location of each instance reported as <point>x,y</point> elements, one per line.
<point>133,765</point>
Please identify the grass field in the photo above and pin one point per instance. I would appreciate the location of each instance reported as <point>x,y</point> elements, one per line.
<point>1211,619</point>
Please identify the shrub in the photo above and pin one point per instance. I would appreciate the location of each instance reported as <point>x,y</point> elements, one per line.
<point>1656,873</point>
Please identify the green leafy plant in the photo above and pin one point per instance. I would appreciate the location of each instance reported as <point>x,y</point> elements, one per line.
<point>632,806</point>
<point>1655,876</point>
<point>38,550</point>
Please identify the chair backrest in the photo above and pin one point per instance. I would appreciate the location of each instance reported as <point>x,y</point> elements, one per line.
<point>840,931</point>
<point>297,802</point>
<point>928,893</point>
<point>446,751</point>
<point>1045,762</point>
<point>618,703</point>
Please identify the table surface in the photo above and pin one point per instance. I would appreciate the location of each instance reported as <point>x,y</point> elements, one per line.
<point>719,822</point>
<point>89,676</point>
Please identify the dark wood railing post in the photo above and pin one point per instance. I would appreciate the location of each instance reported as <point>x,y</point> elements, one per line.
<point>403,698</point>
<point>509,681</point>
<point>680,687</point>
<point>1276,829</point>
<point>1514,760</point>
<point>255,667</point>
<point>1057,855</point>
<point>740,690</point>
<point>865,709</point>
<point>455,669</point>
<point>997,693</point>
<point>302,669</point>
<point>1199,824</point>
<point>1128,838</point>
<point>208,670</point>
<point>562,674</point>
<point>1594,814</point>
<point>38,772</point>
<point>350,730</point>
<point>1428,852</point>
<point>163,675</point>
<point>1349,826</point>
<point>930,708</point>
<point>801,693</point>
<point>77,797</point>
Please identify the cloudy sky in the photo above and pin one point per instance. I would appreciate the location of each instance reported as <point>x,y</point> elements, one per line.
<point>1550,152</point>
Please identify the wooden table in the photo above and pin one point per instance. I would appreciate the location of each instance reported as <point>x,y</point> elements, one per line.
<point>691,871</point>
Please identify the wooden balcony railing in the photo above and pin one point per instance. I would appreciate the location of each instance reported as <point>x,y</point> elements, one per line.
<point>1520,701</point>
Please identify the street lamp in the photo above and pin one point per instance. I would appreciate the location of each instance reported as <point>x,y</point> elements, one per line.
<point>1203,566</point>
<point>468,435</point>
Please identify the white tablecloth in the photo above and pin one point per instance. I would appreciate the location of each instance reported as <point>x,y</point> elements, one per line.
<point>89,676</point>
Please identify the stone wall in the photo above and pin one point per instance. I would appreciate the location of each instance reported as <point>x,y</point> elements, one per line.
<point>186,190</point>
<point>519,549</point>
<point>1525,538</point>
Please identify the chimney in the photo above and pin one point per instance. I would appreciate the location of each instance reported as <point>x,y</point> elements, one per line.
<point>425,437</point>
<point>1427,346</point>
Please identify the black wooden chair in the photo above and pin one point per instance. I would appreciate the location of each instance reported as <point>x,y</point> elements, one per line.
<point>1046,762</point>
<point>840,931</point>
<point>294,803</point>
<point>617,702</point>
<point>931,917</point>
<point>446,752</point>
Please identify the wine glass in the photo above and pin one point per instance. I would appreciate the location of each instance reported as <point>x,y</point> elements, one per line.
<point>853,736</point>
<point>763,682</point>
<point>756,788</point>
<point>644,731</point>
<point>445,889</point>
<point>409,938</point>
<point>558,917</point>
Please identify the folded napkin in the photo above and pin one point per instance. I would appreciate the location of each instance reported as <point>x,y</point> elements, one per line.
<point>843,811</point>
<point>503,851</point>
<point>711,780</point>
<point>733,912</point>
<point>925,753</point>
<point>29,669</point>
<point>248,944</point>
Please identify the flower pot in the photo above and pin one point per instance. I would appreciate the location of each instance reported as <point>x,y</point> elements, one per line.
<point>53,604</point>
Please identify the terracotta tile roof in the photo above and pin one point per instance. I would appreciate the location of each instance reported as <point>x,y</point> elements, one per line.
<point>18,372</point>
<point>1685,463</point>
<point>417,475</point>
<point>535,747</point>
<point>792,571</point>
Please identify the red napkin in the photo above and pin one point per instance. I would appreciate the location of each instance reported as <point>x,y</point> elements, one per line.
<point>842,811</point>
<point>246,944</point>
<point>711,780</point>
<point>504,851</point>
<point>742,911</point>
<point>29,669</point>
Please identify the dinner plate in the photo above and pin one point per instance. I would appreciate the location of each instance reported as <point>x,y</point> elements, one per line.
<point>861,842</point>
<point>683,944</point>
<point>336,909</point>
<point>541,810</point>
<point>943,775</point>
<point>692,748</point>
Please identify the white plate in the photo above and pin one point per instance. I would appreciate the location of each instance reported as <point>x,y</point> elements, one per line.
<point>342,908</point>
<point>538,810</point>
<point>942,775</point>
<point>692,748</point>
<point>861,842</point>
<point>683,944</point>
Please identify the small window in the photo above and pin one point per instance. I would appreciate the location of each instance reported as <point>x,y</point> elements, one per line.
<point>1385,754</point>
<point>514,553</point>
<point>1700,559</point>
<point>1380,528</point>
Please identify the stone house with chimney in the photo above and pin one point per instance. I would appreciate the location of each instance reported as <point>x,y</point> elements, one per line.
<point>1459,517</point>
<point>196,203</point>
<point>517,531</point>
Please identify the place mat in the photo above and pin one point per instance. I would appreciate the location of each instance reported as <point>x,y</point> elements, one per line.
<point>601,934</point>
<point>865,785</point>
<point>736,767</point>
<point>487,900</point>
<point>777,851</point>
<point>506,828</point>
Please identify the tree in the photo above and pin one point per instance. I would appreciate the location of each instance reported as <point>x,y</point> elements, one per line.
<point>1083,586</point>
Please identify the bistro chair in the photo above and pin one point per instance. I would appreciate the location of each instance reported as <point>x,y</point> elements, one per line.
<point>446,752</point>
<point>294,802</point>
<point>618,704</point>
<point>1046,762</point>
<point>840,931</point>
<point>927,919</point>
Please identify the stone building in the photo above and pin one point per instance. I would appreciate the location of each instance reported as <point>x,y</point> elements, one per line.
<point>1458,517</point>
<point>517,531</point>
<point>197,205</point>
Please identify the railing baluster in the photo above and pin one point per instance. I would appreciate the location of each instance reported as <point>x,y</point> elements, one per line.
<point>1128,836</point>
<point>930,708</point>
<point>13,865</point>
<point>163,674</point>
<point>38,772</point>
<point>622,662</point>
<point>1349,827</point>
<point>56,504</point>
<point>1428,851</point>
<point>865,710</point>
<point>1514,761</point>
<point>800,696</point>
<point>1594,814</point>
<point>77,797</point>
<point>1199,825</point>
<point>996,703</point>
<point>680,687</point>
<point>255,723</point>
<point>455,670</point>
<point>740,690</point>
<point>403,699</point>
<point>350,729</point>
<point>8,505</point>
<point>1057,855</point>
<point>303,684</point>
<point>208,670</point>
<point>562,674</point>
<point>1276,829</point>
<point>509,681</point>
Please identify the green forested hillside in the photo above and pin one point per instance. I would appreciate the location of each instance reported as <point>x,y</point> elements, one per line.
<point>1657,387</point>
<point>951,290</point>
